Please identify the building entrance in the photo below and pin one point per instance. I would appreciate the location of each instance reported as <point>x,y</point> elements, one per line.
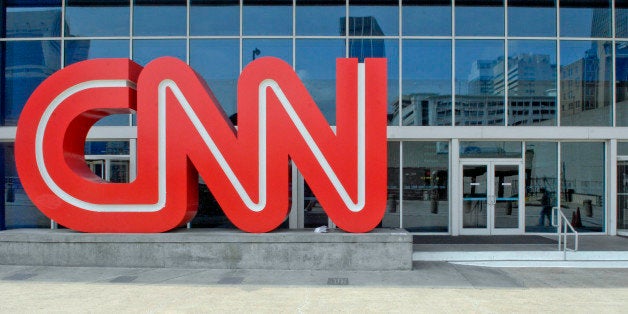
<point>491,200</point>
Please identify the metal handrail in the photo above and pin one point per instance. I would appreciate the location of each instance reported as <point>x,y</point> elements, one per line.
<point>562,229</point>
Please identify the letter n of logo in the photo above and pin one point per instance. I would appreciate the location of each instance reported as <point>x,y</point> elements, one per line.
<point>182,131</point>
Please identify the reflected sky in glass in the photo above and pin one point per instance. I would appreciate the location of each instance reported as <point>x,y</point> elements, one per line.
<point>426,18</point>
<point>585,83</point>
<point>217,61</point>
<point>315,19</point>
<point>36,60</point>
<point>585,18</point>
<point>532,82</point>
<point>214,17</point>
<point>316,67</point>
<point>267,18</point>
<point>373,18</point>
<point>150,19</point>
<point>475,60</point>
<point>79,50</point>
<point>426,77</point>
<point>257,48</point>
<point>479,18</point>
<point>146,50</point>
<point>92,18</point>
<point>20,21</point>
<point>379,48</point>
<point>532,18</point>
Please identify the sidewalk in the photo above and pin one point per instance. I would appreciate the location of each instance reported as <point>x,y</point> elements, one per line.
<point>430,287</point>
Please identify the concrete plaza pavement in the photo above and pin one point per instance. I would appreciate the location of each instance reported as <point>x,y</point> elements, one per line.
<point>429,287</point>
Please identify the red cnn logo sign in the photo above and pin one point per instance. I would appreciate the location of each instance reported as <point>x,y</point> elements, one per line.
<point>182,131</point>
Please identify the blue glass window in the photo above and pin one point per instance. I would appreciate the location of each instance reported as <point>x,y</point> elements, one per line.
<point>426,85</point>
<point>381,48</point>
<point>256,48</point>
<point>585,18</point>
<point>532,18</point>
<point>217,61</point>
<point>479,17</point>
<point>320,18</point>
<point>16,210</point>
<point>107,148</point>
<point>146,50</point>
<point>479,79</point>
<point>81,49</point>
<point>372,18</point>
<point>27,64</point>
<point>583,183</point>
<point>32,19</point>
<point>621,68</point>
<point>159,18</point>
<point>585,88</point>
<point>427,18</point>
<point>85,18</point>
<point>621,18</point>
<point>316,67</point>
<point>84,49</point>
<point>268,17</point>
<point>532,82</point>
<point>215,17</point>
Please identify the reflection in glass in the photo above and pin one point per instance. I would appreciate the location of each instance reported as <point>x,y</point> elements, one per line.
<point>372,18</point>
<point>541,169</point>
<point>145,50</point>
<point>152,18</point>
<point>485,149</point>
<point>79,50</point>
<point>479,82</point>
<point>214,17</point>
<point>217,61</point>
<point>267,17</point>
<point>314,18</point>
<point>582,184</point>
<point>17,210</point>
<point>506,196</point>
<point>531,82</point>
<point>621,18</point>
<point>425,182</point>
<point>427,18</point>
<point>86,18</point>
<point>33,21</point>
<point>585,86</point>
<point>107,148</point>
<point>257,48</point>
<point>316,67</point>
<point>381,48</point>
<point>532,18</point>
<point>426,85</point>
<point>622,195</point>
<point>474,196</point>
<point>479,17</point>
<point>621,75</point>
<point>585,18</point>
<point>27,64</point>
<point>391,217</point>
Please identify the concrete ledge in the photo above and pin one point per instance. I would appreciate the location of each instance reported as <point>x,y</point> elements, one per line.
<point>381,249</point>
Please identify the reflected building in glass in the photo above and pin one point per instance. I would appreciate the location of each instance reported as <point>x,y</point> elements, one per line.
<point>497,109</point>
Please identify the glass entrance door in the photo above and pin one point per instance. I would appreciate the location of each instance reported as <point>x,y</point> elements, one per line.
<point>491,198</point>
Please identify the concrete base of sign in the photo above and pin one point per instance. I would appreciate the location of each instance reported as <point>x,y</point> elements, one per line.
<point>381,249</point>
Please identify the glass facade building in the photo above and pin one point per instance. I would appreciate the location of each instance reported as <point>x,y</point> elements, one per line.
<point>495,107</point>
